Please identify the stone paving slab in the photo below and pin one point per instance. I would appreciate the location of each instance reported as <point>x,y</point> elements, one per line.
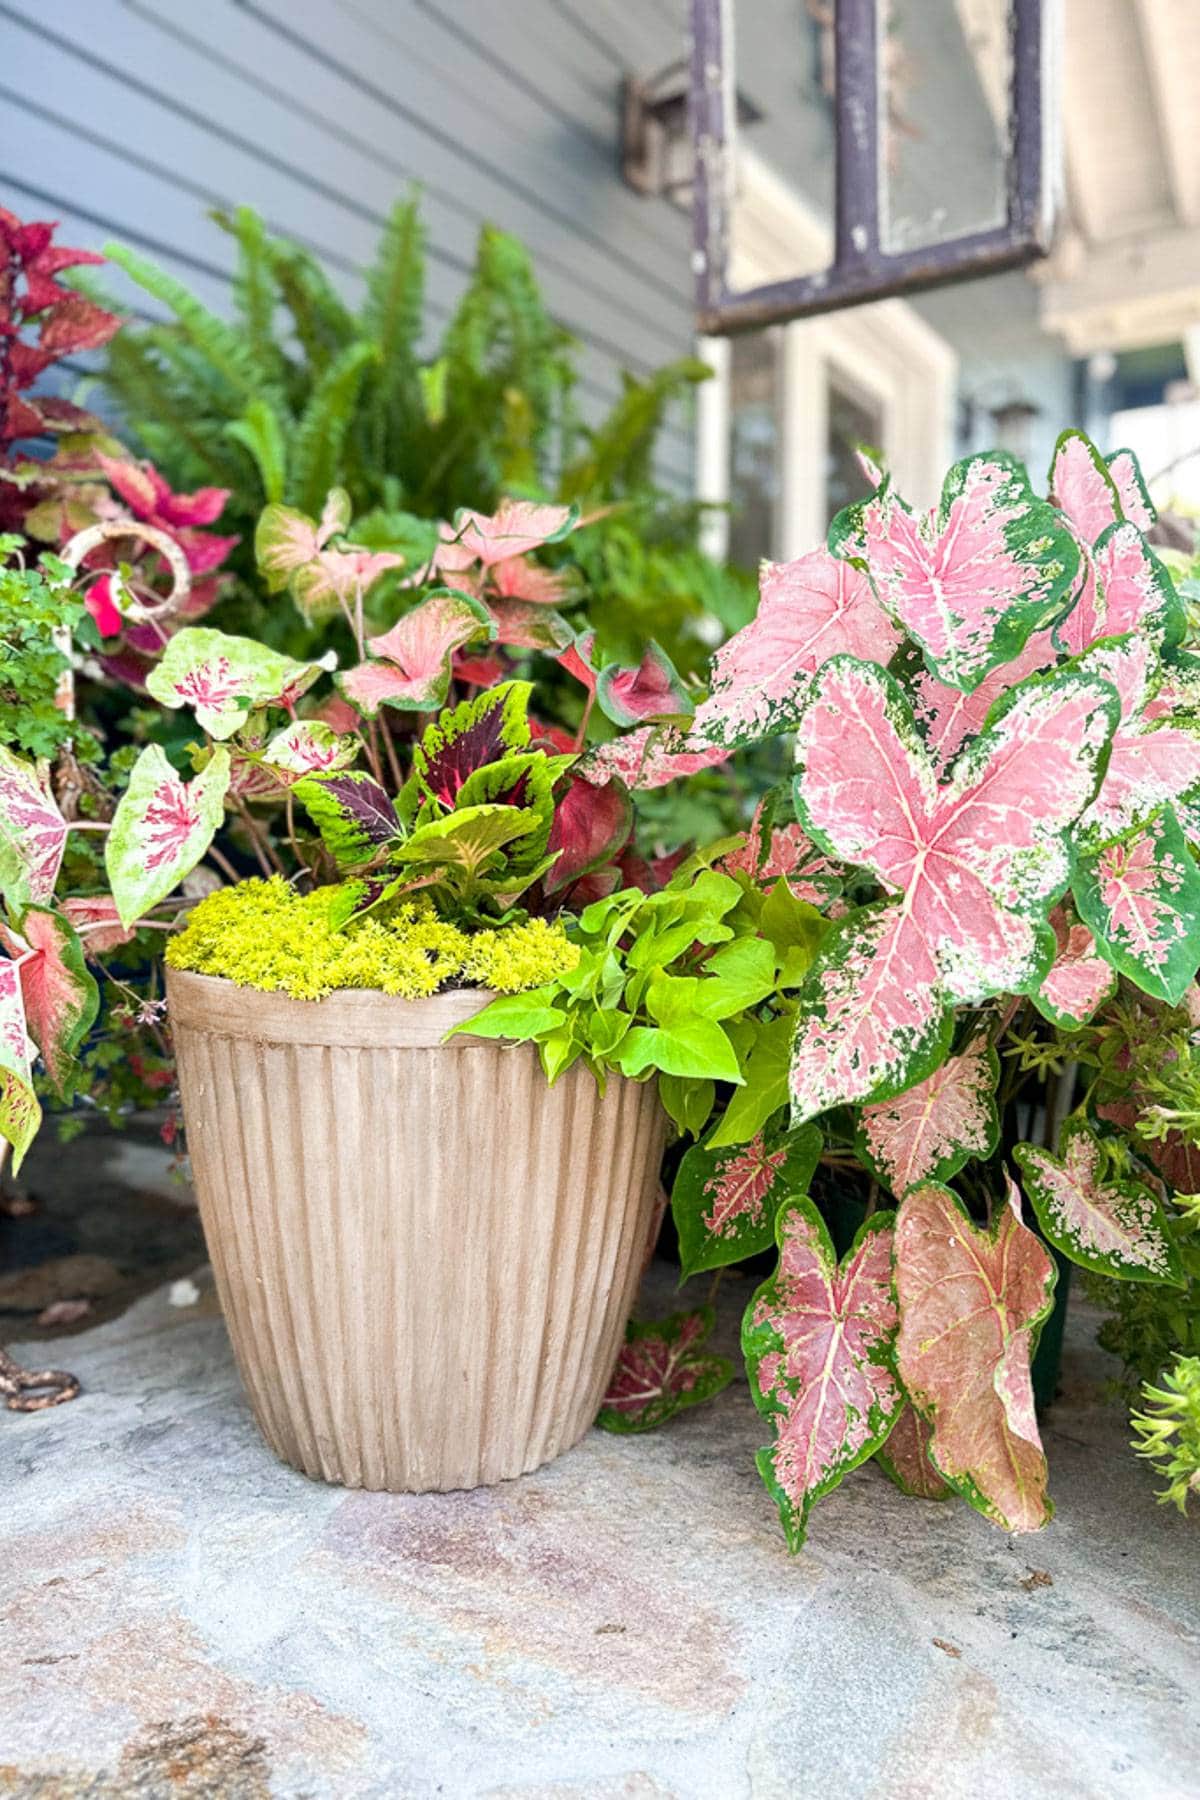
<point>179,1614</point>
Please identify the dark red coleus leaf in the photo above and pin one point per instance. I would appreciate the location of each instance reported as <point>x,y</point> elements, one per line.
<point>591,826</point>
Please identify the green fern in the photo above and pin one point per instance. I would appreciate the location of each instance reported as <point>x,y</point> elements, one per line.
<point>260,431</point>
<point>620,455</point>
<point>225,348</point>
<point>316,450</point>
<point>255,289</point>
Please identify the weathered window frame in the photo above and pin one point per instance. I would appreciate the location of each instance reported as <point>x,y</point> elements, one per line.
<point>861,269</point>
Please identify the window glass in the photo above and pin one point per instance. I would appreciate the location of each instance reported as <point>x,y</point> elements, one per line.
<point>754,446</point>
<point>851,423</point>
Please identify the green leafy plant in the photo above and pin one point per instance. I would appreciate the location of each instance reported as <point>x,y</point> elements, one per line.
<point>39,609</point>
<point>1168,1429</point>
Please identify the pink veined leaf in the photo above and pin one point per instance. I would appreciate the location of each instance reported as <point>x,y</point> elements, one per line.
<point>414,667</point>
<point>97,922</point>
<point>1150,762</point>
<point>20,1110</point>
<point>332,581</point>
<point>1125,588</point>
<point>286,540</point>
<point>818,1340</point>
<point>929,1131</point>
<point>662,1370</point>
<point>576,659</point>
<point>809,610</point>
<point>977,863</point>
<point>1132,492</point>
<point>769,853</point>
<point>1110,1225</point>
<point>33,833</point>
<point>1078,980</point>
<point>514,529</point>
<point>974,580</point>
<point>1140,898</point>
<point>904,1458</point>
<point>651,692</point>
<point>309,747</point>
<point>59,996</point>
<point>162,827</point>
<point>948,716</point>
<point>724,1201</point>
<point>971,1302</point>
<point>591,827</point>
<point>649,758</point>
<point>222,678</point>
<point>517,579</point>
<point>521,625</point>
<point>1082,485</point>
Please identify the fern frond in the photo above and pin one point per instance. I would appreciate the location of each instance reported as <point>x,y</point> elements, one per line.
<point>323,323</point>
<point>255,290</point>
<point>150,400</point>
<point>620,454</point>
<point>260,431</point>
<point>220,343</point>
<point>317,445</point>
<point>393,311</point>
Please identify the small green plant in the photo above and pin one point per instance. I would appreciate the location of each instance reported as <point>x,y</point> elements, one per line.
<point>39,611</point>
<point>1167,1431</point>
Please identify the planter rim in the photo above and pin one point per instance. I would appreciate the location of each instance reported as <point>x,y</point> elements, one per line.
<point>352,1018</point>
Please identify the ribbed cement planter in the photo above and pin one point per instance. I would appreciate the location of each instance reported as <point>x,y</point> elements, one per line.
<point>426,1256</point>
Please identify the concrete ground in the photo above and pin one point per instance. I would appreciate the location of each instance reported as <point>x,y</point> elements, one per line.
<point>181,1615</point>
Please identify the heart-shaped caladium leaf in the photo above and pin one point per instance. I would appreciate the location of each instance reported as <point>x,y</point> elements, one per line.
<point>591,827</point>
<point>650,758</point>
<point>818,1339</point>
<point>414,657</point>
<point>971,1302</point>
<point>352,812</point>
<point>1151,761</point>
<point>1124,588</point>
<point>33,833</point>
<point>724,1202</point>
<point>978,862</point>
<point>309,747</point>
<point>514,529</point>
<point>1140,898</point>
<point>809,610</point>
<point>286,540</point>
<point>662,1370</point>
<point>162,827</point>
<point>777,848</point>
<point>1099,1220</point>
<point>948,717</point>
<point>60,998</point>
<point>972,581</point>
<point>222,678</point>
<point>336,580</point>
<point>20,1110</point>
<point>653,691</point>
<point>1078,980</point>
<point>929,1131</point>
<point>905,1460</point>
<point>526,625</point>
<point>1096,491</point>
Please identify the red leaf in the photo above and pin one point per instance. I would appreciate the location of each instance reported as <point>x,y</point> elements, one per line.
<point>76,324</point>
<point>591,825</point>
<point>60,998</point>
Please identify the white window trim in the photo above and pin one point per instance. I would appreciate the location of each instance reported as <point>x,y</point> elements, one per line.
<point>884,354</point>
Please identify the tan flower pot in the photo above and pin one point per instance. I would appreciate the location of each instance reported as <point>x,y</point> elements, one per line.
<point>426,1256</point>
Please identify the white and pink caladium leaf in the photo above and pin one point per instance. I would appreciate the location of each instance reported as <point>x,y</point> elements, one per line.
<point>309,747</point>
<point>524,625</point>
<point>60,997</point>
<point>514,529</point>
<point>650,693</point>
<point>650,758</point>
<point>809,610</point>
<point>334,580</point>
<point>1096,491</point>
<point>662,1370</point>
<point>978,862</point>
<point>948,717</point>
<point>414,666</point>
<point>286,540</point>
<point>20,1109</point>
<point>222,678</point>
<point>1140,899</point>
<point>971,1304</point>
<point>97,922</point>
<point>818,1339</point>
<point>905,1460</point>
<point>356,819</point>
<point>33,833</point>
<point>1151,760</point>
<point>776,848</point>
<point>1079,980</point>
<point>1094,1215</point>
<point>1124,588</point>
<point>972,581</point>
<point>724,1202</point>
<point>931,1130</point>
<point>162,827</point>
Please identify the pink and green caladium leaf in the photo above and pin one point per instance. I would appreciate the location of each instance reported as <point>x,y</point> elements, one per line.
<point>526,625</point>
<point>162,827</point>
<point>650,757</point>
<point>309,747</point>
<point>222,678</point>
<point>286,540</point>
<point>1078,981</point>
<point>818,1340</point>
<point>33,833</point>
<point>777,848</point>
<point>1140,899</point>
<point>724,1202</point>
<point>60,997</point>
<point>514,529</point>
<point>20,1110</point>
<point>356,819</point>
<point>1124,588</point>
<point>971,1302</point>
<point>809,610</point>
<point>336,579</point>
<point>1095,491</point>
<point>905,1461</point>
<point>662,1370</point>
<point>974,580</point>
<point>977,861</point>
<point>930,1131</point>
<point>948,717</point>
<point>414,666</point>
<point>1151,761</point>
<point>652,692</point>
<point>1094,1216</point>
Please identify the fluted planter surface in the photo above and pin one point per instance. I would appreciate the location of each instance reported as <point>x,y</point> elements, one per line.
<point>425,1255</point>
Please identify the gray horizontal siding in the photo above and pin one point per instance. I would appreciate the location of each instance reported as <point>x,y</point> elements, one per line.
<point>130,118</point>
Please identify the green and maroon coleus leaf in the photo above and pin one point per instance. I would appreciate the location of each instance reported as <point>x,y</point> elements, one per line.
<point>972,581</point>
<point>662,1370</point>
<point>486,729</point>
<point>724,1201</point>
<point>162,827</point>
<point>928,1132</point>
<point>59,996</point>
<point>977,861</point>
<point>653,692</point>
<point>971,1303</point>
<point>905,1458</point>
<point>356,819</point>
<point>470,843</point>
<point>591,827</point>
<point>1096,1217</point>
<point>286,541</point>
<point>414,658</point>
<point>818,1340</point>
<point>1140,899</point>
<point>20,1110</point>
<point>222,678</point>
<point>33,833</point>
<point>1079,980</point>
<point>809,610</point>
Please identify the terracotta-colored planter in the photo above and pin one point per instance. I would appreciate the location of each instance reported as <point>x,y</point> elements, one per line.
<point>426,1256</point>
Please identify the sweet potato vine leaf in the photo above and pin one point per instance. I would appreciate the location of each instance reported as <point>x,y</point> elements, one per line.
<point>929,1131</point>
<point>724,1201</point>
<point>971,1302</point>
<point>818,1339</point>
<point>1101,1221</point>
<point>661,1371</point>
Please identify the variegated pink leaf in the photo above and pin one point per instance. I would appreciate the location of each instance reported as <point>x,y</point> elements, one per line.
<point>770,852</point>
<point>413,671</point>
<point>904,1458</point>
<point>286,540</point>
<point>20,1110</point>
<point>818,1340</point>
<point>33,833</point>
<point>1132,491</point>
<point>661,1371</point>
<point>576,659</point>
<point>1140,898</point>
<point>309,747</point>
<point>97,922</point>
<point>974,580</point>
<point>1082,485</point>
<point>948,716</point>
<point>1103,1222</point>
<point>334,580</point>
<point>650,758</point>
<point>222,678</point>
<point>971,1302</point>
<point>522,625</point>
<point>651,692</point>
<point>161,828</point>
<point>1078,980</point>
<point>1124,588</point>
<point>514,529</point>
<point>1150,762</point>
<point>929,1131</point>
<point>59,996</point>
<point>518,579</point>
<point>809,610</point>
<point>978,863</point>
<point>724,1201</point>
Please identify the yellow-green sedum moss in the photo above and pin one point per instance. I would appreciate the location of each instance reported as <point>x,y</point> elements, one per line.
<point>263,934</point>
